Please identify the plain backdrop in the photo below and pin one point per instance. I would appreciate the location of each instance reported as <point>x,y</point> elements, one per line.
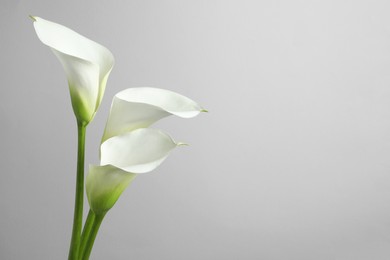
<point>291,163</point>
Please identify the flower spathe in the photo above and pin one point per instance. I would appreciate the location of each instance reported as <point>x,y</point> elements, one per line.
<point>141,107</point>
<point>87,65</point>
<point>129,148</point>
<point>122,158</point>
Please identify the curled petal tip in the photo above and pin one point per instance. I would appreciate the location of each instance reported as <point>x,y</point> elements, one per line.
<point>33,18</point>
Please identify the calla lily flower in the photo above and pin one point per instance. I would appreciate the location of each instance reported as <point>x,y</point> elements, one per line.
<point>141,107</point>
<point>87,65</point>
<point>123,157</point>
<point>129,148</point>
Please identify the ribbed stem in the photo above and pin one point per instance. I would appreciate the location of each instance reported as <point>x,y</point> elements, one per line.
<point>79,197</point>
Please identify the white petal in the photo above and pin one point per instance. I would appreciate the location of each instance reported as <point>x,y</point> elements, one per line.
<point>139,151</point>
<point>140,107</point>
<point>69,46</point>
<point>74,44</point>
<point>83,77</point>
<point>104,185</point>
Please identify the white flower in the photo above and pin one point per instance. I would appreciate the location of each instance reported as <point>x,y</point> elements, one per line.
<point>87,65</point>
<point>122,158</point>
<point>140,107</point>
<point>128,148</point>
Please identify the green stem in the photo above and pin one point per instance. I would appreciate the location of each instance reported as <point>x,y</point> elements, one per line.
<point>79,197</point>
<point>86,232</point>
<point>92,236</point>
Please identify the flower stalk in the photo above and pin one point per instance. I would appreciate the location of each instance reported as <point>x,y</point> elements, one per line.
<point>97,221</point>
<point>86,232</point>
<point>79,196</point>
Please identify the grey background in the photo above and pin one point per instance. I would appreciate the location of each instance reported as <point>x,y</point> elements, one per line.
<point>292,162</point>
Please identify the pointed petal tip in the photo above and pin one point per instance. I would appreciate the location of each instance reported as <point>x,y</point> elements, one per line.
<point>204,110</point>
<point>182,144</point>
<point>33,18</point>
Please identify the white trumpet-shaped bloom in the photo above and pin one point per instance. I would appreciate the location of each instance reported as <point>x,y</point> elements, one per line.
<point>140,107</point>
<point>87,65</point>
<point>129,148</point>
<point>122,158</point>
